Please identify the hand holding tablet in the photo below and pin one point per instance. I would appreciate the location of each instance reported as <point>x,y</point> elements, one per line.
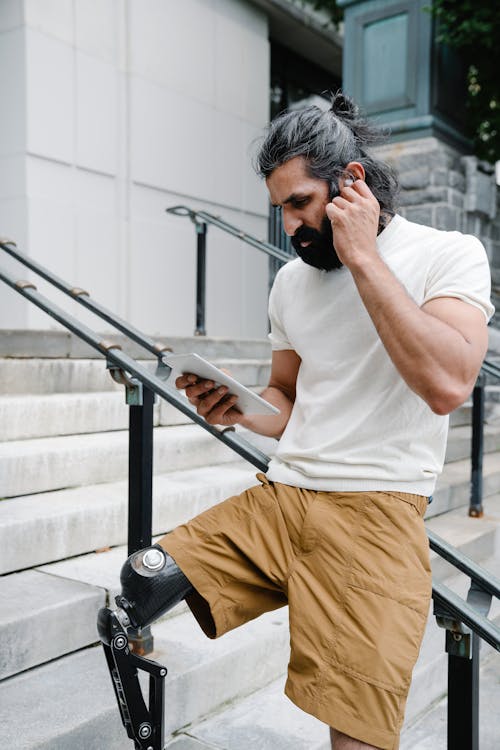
<point>247,401</point>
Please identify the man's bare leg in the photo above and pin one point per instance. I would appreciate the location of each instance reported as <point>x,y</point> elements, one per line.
<point>341,741</point>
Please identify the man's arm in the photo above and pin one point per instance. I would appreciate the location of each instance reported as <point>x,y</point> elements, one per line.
<point>437,348</point>
<point>217,405</point>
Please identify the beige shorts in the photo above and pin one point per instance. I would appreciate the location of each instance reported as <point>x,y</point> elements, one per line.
<point>354,569</point>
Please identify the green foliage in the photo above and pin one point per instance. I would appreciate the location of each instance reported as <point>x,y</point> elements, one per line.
<point>330,7</point>
<point>473,28</point>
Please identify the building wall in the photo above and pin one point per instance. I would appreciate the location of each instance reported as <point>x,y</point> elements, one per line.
<point>118,109</point>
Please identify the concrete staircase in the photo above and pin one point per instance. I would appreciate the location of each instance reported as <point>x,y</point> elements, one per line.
<point>63,466</point>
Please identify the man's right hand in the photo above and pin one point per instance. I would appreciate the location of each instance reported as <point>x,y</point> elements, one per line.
<point>216,405</point>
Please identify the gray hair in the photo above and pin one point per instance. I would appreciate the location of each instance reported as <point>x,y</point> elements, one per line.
<point>328,141</point>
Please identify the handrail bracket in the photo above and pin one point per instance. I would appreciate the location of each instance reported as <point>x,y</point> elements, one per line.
<point>133,386</point>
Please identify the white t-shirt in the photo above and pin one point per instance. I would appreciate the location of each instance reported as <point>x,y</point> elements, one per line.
<point>355,424</point>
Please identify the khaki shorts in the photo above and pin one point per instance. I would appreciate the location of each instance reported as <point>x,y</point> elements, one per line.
<point>354,569</point>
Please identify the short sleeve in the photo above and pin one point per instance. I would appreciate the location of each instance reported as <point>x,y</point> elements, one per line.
<point>278,338</point>
<point>460,269</point>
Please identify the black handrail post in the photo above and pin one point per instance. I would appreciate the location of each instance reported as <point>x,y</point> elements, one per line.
<point>201,256</point>
<point>140,487</point>
<point>477,448</point>
<point>463,690</point>
<point>140,490</point>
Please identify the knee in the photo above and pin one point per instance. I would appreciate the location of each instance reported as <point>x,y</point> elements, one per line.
<point>341,741</point>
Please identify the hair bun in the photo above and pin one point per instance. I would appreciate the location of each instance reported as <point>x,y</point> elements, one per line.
<point>365,132</point>
<point>343,106</point>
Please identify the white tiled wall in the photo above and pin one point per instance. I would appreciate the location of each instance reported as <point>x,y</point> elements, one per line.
<point>12,73</point>
<point>50,97</point>
<point>118,109</point>
<point>96,114</point>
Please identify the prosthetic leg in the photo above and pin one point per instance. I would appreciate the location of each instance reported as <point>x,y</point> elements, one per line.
<point>152,583</point>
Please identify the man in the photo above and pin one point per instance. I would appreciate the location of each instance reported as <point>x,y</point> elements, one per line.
<point>378,331</point>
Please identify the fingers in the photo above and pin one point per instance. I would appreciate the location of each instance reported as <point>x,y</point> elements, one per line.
<point>205,404</point>
<point>352,193</point>
<point>357,196</point>
<point>225,412</point>
<point>342,202</point>
<point>330,211</point>
<point>193,385</point>
<point>360,187</point>
<point>212,403</point>
<point>185,379</point>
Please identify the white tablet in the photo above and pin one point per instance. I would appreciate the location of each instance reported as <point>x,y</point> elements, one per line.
<point>248,402</point>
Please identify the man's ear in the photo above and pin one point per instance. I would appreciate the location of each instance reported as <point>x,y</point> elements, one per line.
<point>354,171</point>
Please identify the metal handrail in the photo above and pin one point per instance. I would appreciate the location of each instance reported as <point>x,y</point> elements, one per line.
<point>157,384</point>
<point>490,368</point>
<point>201,221</point>
<point>477,441</point>
<point>463,612</point>
<point>482,577</point>
<point>450,609</point>
<point>84,298</point>
<point>140,387</point>
<point>204,217</point>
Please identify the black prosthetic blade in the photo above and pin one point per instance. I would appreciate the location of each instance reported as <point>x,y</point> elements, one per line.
<point>143,725</point>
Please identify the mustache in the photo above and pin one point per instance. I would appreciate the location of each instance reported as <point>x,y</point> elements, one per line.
<point>305,234</point>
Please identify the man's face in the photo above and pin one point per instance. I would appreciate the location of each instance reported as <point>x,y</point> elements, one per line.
<point>302,200</point>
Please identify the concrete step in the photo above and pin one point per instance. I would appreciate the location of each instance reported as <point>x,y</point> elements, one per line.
<point>463,415</point>
<point>45,598</point>
<point>49,415</point>
<point>429,731</point>
<point>63,344</point>
<point>429,684</point>
<point>38,529</point>
<point>459,441</point>
<point>453,486</point>
<point>479,539</point>
<point>27,417</point>
<point>100,571</point>
<point>36,611</point>
<point>267,719</point>
<point>41,602</point>
<point>97,576</point>
<point>40,465</point>
<point>70,703</point>
<point>493,390</point>
<point>44,376</point>
<point>260,649</point>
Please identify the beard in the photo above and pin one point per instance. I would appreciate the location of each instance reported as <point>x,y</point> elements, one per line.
<point>321,252</point>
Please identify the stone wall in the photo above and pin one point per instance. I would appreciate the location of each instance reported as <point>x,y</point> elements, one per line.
<point>447,190</point>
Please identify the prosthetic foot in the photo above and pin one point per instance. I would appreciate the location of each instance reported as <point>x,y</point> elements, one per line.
<point>152,584</point>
